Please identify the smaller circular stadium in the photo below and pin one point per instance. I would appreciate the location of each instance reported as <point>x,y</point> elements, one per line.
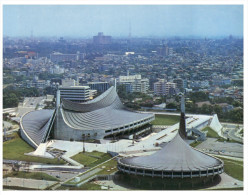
<point>177,163</point>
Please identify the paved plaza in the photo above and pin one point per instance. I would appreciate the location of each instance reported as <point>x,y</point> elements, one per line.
<point>27,183</point>
<point>211,145</point>
<point>227,182</point>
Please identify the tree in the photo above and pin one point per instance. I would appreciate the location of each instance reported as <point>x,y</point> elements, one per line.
<point>206,109</point>
<point>199,96</point>
<point>10,100</point>
<point>236,115</point>
<point>218,110</point>
<point>172,105</point>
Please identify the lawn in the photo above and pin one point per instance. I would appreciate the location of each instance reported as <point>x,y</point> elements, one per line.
<point>87,186</point>
<point>84,159</point>
<point>210,132</point>
<point>165,119</point>
<point>242,132</point>
<point>91,159</point>
<point>108,165</point>
<point>14,150</point>
<point>17,188</point>
<point>239,188</point>
<point>195,143</point>
<point>32,175</point>
<point>233,168</point>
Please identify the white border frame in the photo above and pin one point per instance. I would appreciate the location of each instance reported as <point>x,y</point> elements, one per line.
<point>144,2</point>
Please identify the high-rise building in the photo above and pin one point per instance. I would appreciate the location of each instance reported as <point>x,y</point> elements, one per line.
<point>59,57</point>
<point>164,88</point>
<point>101,39</point>
<point>99,86</point>
<point>180,83</point>
<point>75,93</point>
<point>134,83</point>
<point>170,88</point>
<point>159,87</point>
<point>68,82</point>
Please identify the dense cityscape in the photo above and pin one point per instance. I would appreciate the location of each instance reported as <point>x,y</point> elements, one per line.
<point>210,71</point>
<point>129,98</point>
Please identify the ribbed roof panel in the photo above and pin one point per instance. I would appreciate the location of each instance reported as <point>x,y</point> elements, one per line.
<point>176,155</point>
<point>35,124</point>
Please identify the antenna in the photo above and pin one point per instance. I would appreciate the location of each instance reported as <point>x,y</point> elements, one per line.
<point>31,35</point>
<point>182,104</point>
<point>182,125</point>
<point>130,30</point>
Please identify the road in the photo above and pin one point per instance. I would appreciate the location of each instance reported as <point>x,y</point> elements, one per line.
<point>230,131</point>
<point>29,104</point>
<point>231,134</point>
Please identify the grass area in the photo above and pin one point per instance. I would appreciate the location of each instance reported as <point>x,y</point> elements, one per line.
<point>105,171</point>
<point>242,132</point>
<point>14,149</point>
<point>87,186</point>
<point>91,159</point>
<point>84,159</point>
<point>165,119</point>
<point>32,175</point>
<point>97,154</point>
<point>17,188</point>
<point>195,143</point>
<point>239,188</point>
<point>233,168</point>
<point>211,132</point>
<point>104,158</point>
<point>108,165</point>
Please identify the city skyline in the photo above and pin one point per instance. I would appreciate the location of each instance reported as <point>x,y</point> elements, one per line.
<point>122,20</point>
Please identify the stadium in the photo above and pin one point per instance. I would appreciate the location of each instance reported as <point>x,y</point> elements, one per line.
<point>96,119</point>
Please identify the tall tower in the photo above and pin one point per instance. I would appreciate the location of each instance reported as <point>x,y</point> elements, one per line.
<point>182,126</point>
<point>32,35</point>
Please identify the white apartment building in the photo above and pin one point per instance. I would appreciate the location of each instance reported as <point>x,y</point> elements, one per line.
<point>75,93</point>
<point>162,87</point>
<point>134,83</point>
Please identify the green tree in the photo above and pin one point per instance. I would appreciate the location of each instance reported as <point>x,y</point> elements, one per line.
<point>172,105</point>
<point>10,100</point>
<point>199,96</point>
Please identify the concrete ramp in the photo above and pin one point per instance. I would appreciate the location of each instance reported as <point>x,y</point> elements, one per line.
<point>215,125</point>
<point>41,152</point>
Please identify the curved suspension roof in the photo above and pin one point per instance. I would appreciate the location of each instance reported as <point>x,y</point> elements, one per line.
<point>104,112</point>
<point>35,124</point>
<point>102,101</point>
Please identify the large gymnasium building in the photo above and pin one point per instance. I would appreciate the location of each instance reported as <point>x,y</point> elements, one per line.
<point>102,117</point>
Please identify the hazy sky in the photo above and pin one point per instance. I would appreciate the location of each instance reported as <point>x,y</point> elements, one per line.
<point>145,20</point>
